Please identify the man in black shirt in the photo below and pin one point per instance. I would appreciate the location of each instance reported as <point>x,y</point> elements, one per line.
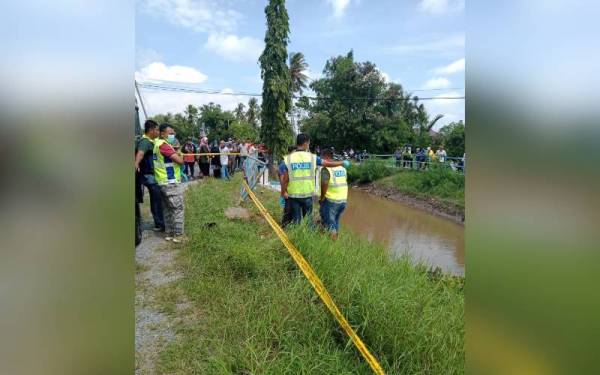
<point>144,166</point>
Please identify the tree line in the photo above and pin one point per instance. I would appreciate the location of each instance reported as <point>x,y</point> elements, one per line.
<point>353,105</point>
<point>241,123</point>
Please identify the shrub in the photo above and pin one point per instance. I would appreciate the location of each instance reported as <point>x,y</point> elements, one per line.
<point>368,171</point>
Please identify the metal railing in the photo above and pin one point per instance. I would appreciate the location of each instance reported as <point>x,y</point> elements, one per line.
<point>457,164</point>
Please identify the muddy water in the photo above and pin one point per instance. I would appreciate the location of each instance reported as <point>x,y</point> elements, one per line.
<point>436,241</point>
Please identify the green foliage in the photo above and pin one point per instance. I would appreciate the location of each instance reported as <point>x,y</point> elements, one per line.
<point>298,67</point>
<point>253,113</point>
<point>239,112</point>
<point>439,182</point>
<point>276,130</point>
<point>242,130</point>
<point>219,124</point>
<point>453,138</point>
<point>346,114</point>
<point>257,314</point>
<point>368,171</point>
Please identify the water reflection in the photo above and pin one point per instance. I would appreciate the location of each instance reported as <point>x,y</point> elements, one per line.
<point>426,237</point>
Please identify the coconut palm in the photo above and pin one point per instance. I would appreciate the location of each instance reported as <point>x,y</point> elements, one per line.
<point>298,67</point>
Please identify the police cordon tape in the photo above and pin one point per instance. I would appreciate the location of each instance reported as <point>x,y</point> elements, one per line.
<point>213,154</point>
<point>316,283</point>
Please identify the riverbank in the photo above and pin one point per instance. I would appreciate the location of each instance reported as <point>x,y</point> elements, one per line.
<point>439,191</point>
<point>385,189</point>
<point>260,315</point>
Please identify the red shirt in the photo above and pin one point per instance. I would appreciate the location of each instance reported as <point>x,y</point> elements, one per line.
<point>166,150</point>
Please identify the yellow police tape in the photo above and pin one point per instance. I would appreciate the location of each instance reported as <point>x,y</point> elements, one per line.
<point>316,283</point>
<point>213,154</point>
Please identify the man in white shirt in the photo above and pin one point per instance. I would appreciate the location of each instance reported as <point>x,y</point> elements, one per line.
<point>243,151</point>
<point>441,154</point>
<point>224,160</point>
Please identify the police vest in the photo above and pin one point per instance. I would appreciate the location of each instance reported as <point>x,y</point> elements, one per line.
<point>337,190</point>
<point>301,166</point>
<point>165,170</point>
<point>146,165</point>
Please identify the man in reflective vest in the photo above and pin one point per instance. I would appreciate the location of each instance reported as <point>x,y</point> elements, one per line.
<point>144,165</point>
<point>298,175</point>
<point>334,194</point>
<point>167,171</point>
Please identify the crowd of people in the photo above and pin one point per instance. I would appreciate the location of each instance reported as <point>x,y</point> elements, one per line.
<point>162,164</point>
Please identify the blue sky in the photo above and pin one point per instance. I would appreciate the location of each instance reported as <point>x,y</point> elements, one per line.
<point>214,44</point>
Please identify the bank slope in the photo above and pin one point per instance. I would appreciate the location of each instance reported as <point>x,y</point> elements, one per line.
<point>438,189</point>
<point>258,314</point>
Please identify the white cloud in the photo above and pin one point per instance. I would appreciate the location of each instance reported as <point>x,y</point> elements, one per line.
<point>234,48</point>
<point>455,67</point>
<point>197,15</point>
<point>437,83</point>
<point>452,109</point>
<point>441,6</point>
<point>339,7</point>
<point>157,72</point>
<point>431,45</point>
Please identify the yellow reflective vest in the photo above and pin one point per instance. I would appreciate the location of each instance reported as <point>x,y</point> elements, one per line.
<point>301,166</point>
<point>337,190</point>
<point>166,171</point>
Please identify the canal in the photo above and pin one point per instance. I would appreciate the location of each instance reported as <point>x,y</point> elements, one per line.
<point>427,238</point>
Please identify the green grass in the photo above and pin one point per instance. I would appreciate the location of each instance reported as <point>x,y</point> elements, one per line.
<point>256,313</point>
<point>369,170</point>
<point>439,183</point>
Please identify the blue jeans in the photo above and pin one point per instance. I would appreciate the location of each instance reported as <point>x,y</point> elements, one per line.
<point>155,200</point>
<point>300,207</point>
<point>331,213</point>
<point>224,173</point>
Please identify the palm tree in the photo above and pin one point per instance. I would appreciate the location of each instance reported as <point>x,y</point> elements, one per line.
<point>297,66</point>
<point>253,113</point>
<point>239,112</point>
<point>299,79</point>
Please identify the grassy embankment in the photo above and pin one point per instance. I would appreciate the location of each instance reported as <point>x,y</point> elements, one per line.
<point>438,183</point>
<point>256,313</point>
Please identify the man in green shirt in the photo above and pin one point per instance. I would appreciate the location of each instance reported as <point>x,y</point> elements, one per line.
<point>144,165</point>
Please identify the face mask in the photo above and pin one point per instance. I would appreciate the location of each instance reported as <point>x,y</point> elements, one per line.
<point>171,138</point>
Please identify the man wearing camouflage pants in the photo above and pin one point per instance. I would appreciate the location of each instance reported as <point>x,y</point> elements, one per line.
<point>167,171</point>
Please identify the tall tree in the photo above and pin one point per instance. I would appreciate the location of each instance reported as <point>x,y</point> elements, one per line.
<point>298,67</point>
<point>276,130</point>
<point>299,79</point>
<point>239,112</point>
<point>355,107</point>
<point>253,113</point>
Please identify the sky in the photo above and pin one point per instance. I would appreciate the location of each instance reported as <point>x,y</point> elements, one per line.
<point>215,44</point>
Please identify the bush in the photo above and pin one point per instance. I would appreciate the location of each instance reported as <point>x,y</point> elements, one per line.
<point>368,171</point>
<point>439,182</point>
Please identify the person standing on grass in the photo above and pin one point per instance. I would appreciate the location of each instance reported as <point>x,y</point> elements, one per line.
<point>190,160</point>
<point>231,169</point>
<point>334,194</point>
<point>215,160</point>
<point>285,203</point>
<point>398,156</point>
<point>243,152</point>
<point>441,154</point>
<point>224,158</point>
<point>144,165</point>
<point>298,177</point>
<point>203,160</point>
<point>167,171</point>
